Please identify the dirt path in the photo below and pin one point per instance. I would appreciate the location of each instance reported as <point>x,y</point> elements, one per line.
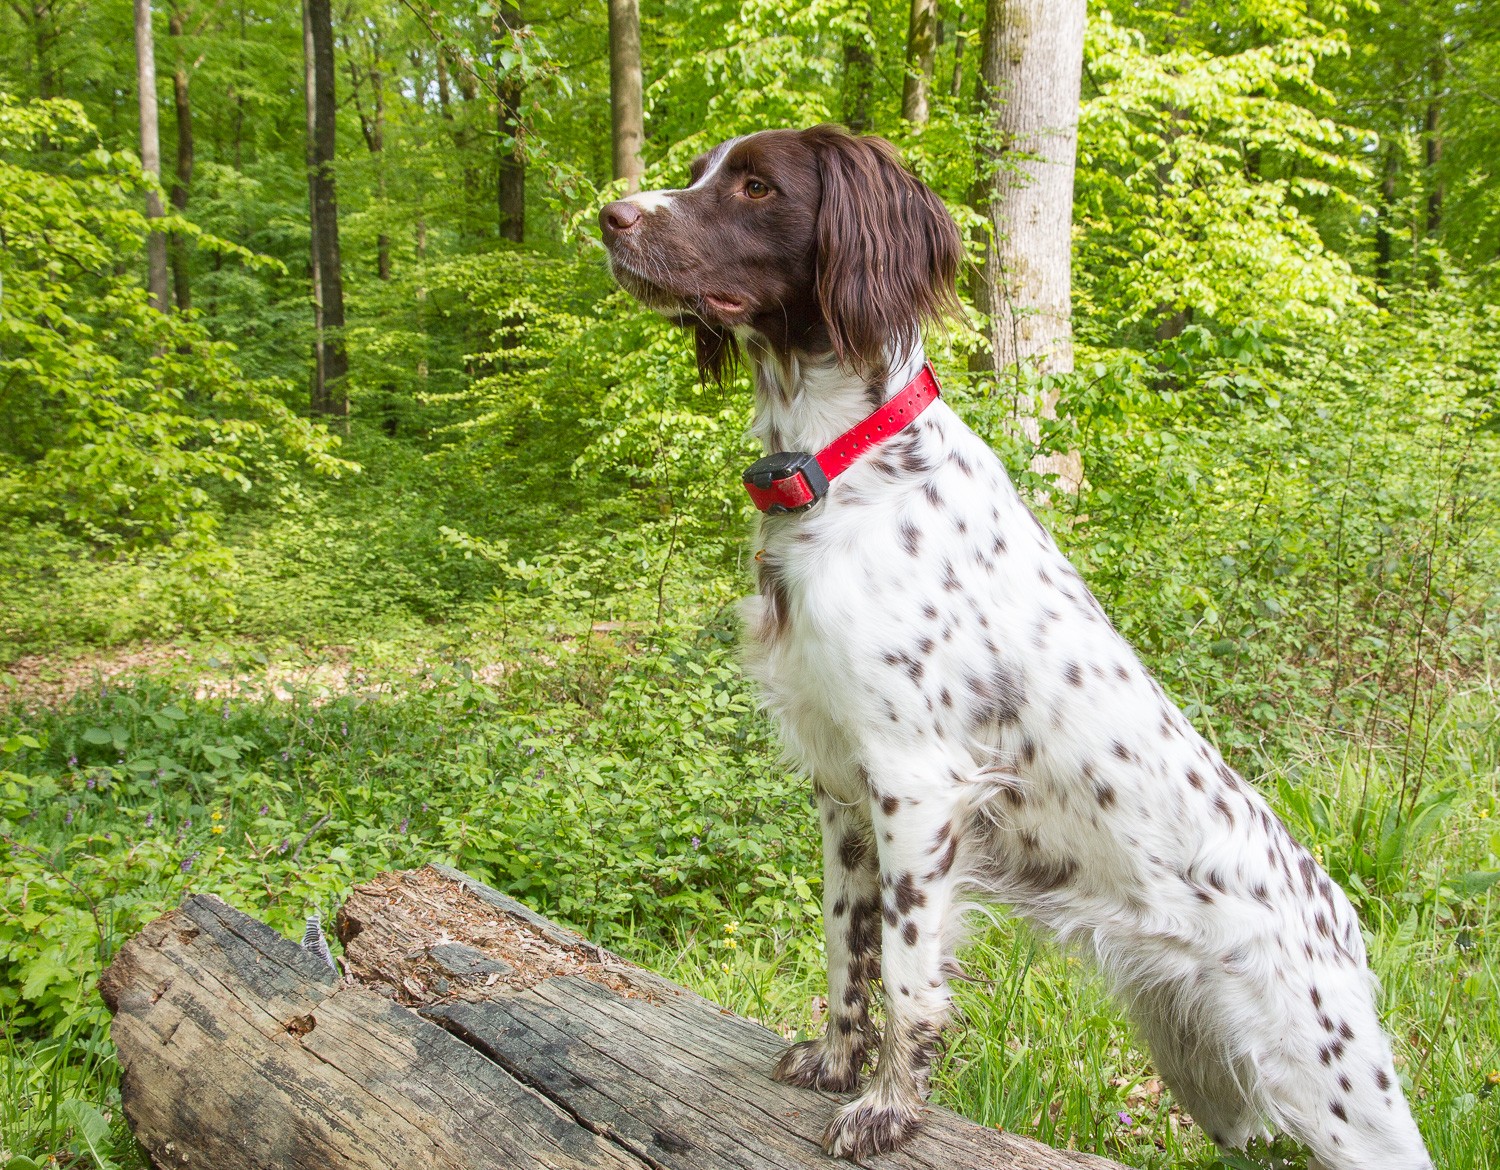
<point>315,674</point>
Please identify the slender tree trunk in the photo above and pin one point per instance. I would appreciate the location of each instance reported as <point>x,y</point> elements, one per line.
<point>1433,141</point>
<point>383,240</point>
<point>372,126</point>
<point>957,85</point>
<point>317,396</point>
<point>330,395</point>
<point>627,106</point>
<point>859,70</point>
<point>1383,235</point>
<point>921,49</point>
<point>1028,96</point>
<point>445,91</point>
<point>183,177</point>
<point>511,179</point>
<point>156,241</point>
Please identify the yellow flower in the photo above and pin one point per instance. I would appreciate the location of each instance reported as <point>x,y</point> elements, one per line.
<point>1484,814</point>
<point>217,829</point>
<point>217,816</point>
<point>730,943</point>
<point>731,927</point>
<point>724,967</point>
<point>1494,1077</point>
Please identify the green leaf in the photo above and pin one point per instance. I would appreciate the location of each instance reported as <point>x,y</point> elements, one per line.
<point>91,1130</point>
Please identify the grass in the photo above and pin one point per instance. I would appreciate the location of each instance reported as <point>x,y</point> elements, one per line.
<point>629,788</point>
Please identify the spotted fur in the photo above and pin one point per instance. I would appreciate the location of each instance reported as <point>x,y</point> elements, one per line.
<point>974,725</point>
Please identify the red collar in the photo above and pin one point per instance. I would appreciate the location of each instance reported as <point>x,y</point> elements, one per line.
<point>789,481</point>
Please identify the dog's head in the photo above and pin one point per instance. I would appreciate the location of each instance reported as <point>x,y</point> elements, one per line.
<point>814,240</point>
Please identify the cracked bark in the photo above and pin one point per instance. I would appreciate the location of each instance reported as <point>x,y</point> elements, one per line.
<point>468,1032</point>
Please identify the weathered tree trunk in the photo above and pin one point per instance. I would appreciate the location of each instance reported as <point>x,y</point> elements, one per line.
<point>468,1033</point>
<point>1028,95</point>
<point>182,177</point>
<point>626,97</point>
<point>921,50</point>
<point>330,394</point>
<point>511,178</point>
<point>859,71</point>
<point>145,72</point>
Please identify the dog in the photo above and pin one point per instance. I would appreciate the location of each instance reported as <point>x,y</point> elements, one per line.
<point>973,724</point>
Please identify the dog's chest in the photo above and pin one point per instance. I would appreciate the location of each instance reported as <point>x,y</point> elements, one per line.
<point>892,608</point>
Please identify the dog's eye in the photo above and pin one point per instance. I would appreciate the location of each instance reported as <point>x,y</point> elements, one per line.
<point>756,189</point>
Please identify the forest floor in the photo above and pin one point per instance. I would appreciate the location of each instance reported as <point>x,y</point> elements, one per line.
<point>279,774</point>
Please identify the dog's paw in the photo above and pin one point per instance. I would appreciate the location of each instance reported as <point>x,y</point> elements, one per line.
<point>814,1064</point>
<point>872,1124</point>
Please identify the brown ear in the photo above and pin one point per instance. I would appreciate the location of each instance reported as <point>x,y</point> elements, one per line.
<point>888,251</point>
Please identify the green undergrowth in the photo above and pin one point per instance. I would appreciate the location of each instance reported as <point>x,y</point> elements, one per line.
<point>616,775</point>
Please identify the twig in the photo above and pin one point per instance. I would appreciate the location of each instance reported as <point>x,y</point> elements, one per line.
<point>318,824</point>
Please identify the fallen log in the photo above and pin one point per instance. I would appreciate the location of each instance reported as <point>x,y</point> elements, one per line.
<point>467,1033</point>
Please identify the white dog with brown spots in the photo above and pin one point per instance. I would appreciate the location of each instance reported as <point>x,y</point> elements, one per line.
<point>973,724</point>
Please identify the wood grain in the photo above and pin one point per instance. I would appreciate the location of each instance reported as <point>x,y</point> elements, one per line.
<point>469,1032</point>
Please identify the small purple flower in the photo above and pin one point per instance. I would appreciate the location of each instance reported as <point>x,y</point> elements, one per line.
<point>187,862</point>
<point>68,817</point>
<point>264,809</point>
<point>1125,1118</point>
<point>285,756</point>
<point>424,806</point>
<point>285,844</point>
<point>224,714</point>
<point>696,842</point>
<point>402,827</point>
<point>187,824</point>
<point>91,783</point>
<point>344,727</point>
<point>72,761</point>
<point>150,819</point>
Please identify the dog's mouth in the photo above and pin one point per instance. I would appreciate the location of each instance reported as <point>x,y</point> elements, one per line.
<point>724,304</point>
<point>722,308</point>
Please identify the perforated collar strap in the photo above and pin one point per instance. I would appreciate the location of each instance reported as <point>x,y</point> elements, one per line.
<point>788,481</point>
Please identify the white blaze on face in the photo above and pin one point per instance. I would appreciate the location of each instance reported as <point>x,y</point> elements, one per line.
<point>653,201</point>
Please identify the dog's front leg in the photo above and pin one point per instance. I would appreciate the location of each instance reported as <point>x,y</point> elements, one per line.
<point>851,923</point>
<point>916,834</point>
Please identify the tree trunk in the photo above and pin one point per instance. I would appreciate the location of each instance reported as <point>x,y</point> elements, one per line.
<point>921,49</point>
<point>318,393</point>
<point>372,126</point>
<point>1383,235</point>
<point>511,179</point>
<point>183,178</point>
<point>43,17</point>
<point>1028,96</point>
<point>1433,135</point>
<point>383,240</point>
<point>466,1032</point>
<point>156,241</point>
<point>627,107</point>
<point>859,69</point>
<point>330,395</point>
<point>957,85</point>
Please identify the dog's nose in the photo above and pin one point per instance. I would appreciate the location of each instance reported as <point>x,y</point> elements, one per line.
<point>618,217</point>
